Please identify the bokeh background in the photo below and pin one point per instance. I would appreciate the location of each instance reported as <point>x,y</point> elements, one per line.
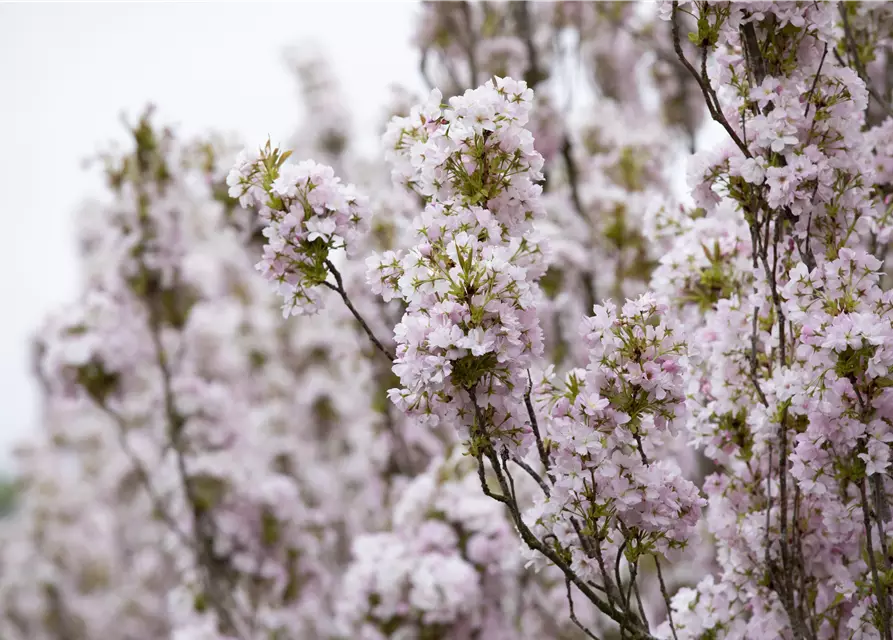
<point>68,71</point>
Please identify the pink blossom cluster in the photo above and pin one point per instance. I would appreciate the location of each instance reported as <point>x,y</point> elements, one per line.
<point>607,426</point>
<point>449,565</point>
<point>470,330</point>
<point>793,334</point>
<point>308,213</point>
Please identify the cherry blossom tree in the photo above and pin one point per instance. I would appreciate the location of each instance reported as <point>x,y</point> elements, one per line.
<point>519,384</point>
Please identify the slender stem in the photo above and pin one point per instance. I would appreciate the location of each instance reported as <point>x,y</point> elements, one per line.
<point>660,577</point>
<point>471,43</point>
<point>704,83</point>
<point>144,477</point>
<point>666,595</point>
<point>338,287</point>
<point>214,573</point>
<point>522,16</point>
<point>753,359</point>
<point>534,425</point>
<point>853,48</point>
<point>572,177</point>
<point>570,602</point>
<point>533,474</point>
<point>609,586</point>
<point>639,604</point>
<point>573,183</point>
<point>617,559</point>
<point>768,542</point>
<point>815,81</point>
<point>879,589</point>
<point>881,513</point>
<point>506,498</point>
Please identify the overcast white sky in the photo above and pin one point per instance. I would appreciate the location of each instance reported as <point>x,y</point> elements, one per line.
<point>68,70</point>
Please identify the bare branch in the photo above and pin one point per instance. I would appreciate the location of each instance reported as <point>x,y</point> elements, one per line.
<point>570,602</point>
<point>338,287</point>
<point>704,83</point>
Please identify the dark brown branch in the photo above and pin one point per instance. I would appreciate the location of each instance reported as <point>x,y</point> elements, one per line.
<point>703,82</point>
<point>853,49</point>
<point>753,359</point>
<point>527,535</point>
<point>815,81</point>
<point>522,17</point>
<point>572,176</point>
<point>570,602</point>
<point>533,474</point>
<point>338,287</point>
<point>611,589</point>
<point>573,183</point>
<point>471,43</point>
<point>660,577</point>
<point>144,477</point>
<point>666,595</point>
<point>754,57</point>
<point>534,425</point>
<point>879,588</point>
<point>423,68</point>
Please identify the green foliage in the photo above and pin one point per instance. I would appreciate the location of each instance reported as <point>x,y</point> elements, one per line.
<point>207,492</point>
<point>468,369</point>
<point>270,528</point>
<point>9,494</point>
<point>293,587</point>
<point>734,427</point>
<point>96,381</point>
<point>629,173</point>
<point>552,282</point>
<point>200,603</point>
<point>313,268</point>
<point>851,361</point>
<point>716,282</point>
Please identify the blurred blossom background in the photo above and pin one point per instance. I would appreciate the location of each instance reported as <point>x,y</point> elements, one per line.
<point>69,71</point>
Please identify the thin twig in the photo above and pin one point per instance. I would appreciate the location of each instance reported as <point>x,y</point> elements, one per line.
<point>570,601</point>
<point>704,83</point>
<point>852,47</point>
<point>522,16</point>
<point>533,474</point>
<point>471,43</point>
<point>145,479</point>
<point>753,359</point>
<point>527,535</point>
<point>660,577</point>
<point>879,589</point>
<point>534,425</point>
<point>338,287</point>
<point>224,606</point>
<point>639,604</point>
<point>815,81</point>
<point>666,595</point>
<point>573,178</point>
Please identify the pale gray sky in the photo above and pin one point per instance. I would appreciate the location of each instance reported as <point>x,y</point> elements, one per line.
<point>68,70</point>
